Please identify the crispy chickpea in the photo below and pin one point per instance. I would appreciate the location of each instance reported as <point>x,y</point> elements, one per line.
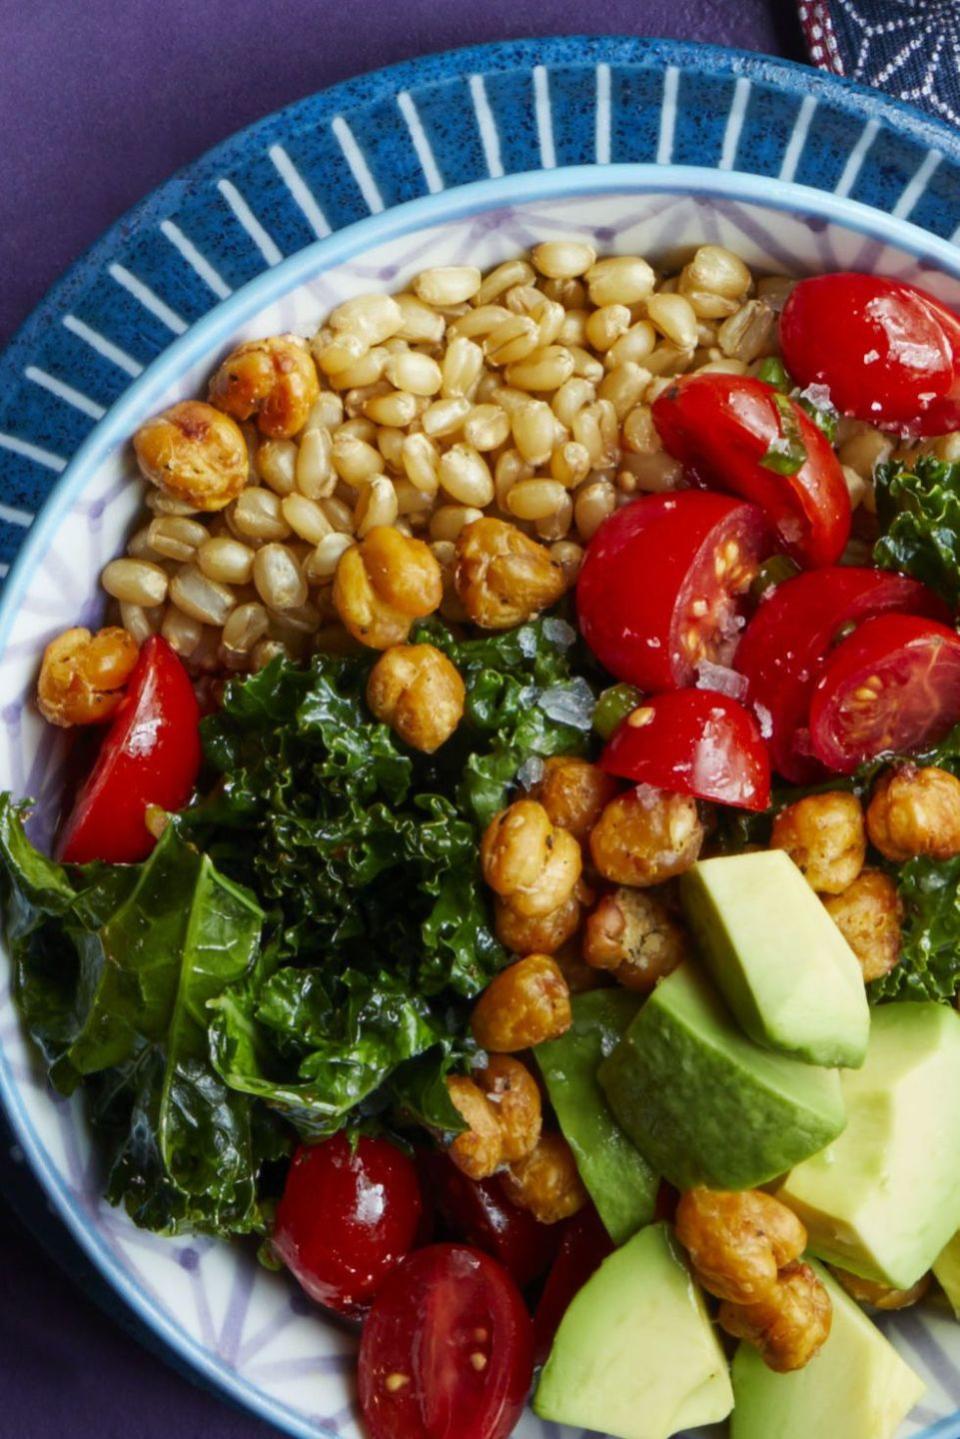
<point>881,1296</point>
<point>502,576</point>
<point>546,1183</point>
<point>580,977</point>
<point>523,1005</point>
<point>915,811</point>
<point>274,379</point>
<point>512,1091</point>
<point>193,453</point>
<point>478,1150</point>
<point>573,792</point>
<point>527,861</point>
<point>645,836</point>
<point>789,1326</point>
<point>82,675</point>
<point>631,934</point>
<point>824,836</point>
<point>418,693</point>
<point>868,914</point>
<point>738,1241</point>
<point>383,583</point>
<point>538,933</point>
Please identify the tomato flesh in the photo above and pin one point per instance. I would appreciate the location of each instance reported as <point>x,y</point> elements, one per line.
<point>478,1213</point>
<point>788,641</point>
<point>692,741</point>
<point>583,1248</point>
<point>347,1217</point>
<point>892,686</point>
<point>447,1350</point>
<point>888,352</point>
<point>662,583</point>
<point>722,426</point>
<point>150,755</point>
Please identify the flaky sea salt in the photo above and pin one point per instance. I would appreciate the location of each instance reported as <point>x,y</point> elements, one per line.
<point>572,703</point>
<point>721,679</point>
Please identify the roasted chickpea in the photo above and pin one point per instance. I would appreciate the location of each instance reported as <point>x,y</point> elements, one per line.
<point>502,576</point>
<point>478,1150</point>
<point>868,914</point>
<point>789,1326</point>
<point>825,837</point>
<point>645,836</point>
<point>82,675</point>
<point>546,1183</point>
<point>194,453</point>
<point>383,583</point>
<point>512,1091</point>
<point>527,861</point>
<point>274,379</point>
<point>881,1296</point>
<point>418,693</point>
<point>523,1005</point>
<point>915,811</point>
<point>631,933</point>
<point>738,1241</point>
<point>538,933</point>
<point>579,975</point>
<point>574,792</point>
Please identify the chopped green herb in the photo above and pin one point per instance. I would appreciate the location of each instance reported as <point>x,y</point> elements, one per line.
<point>787,453</point>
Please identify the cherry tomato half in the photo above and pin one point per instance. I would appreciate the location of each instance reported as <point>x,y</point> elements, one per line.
<point>660,585</point>
<point>447,1350</point>
<point>583,1248</point>
<point>347,1217</point>
<point>888,352</point>
<point>787,642</point>
<point>478,1212</point>
<point>693,741</point>
<point>894,685</point>
<point>722,427</point>
<point>150,755</point>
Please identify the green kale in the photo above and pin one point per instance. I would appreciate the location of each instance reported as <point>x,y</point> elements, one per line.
<point>929,965</point>
<point>918,506</point>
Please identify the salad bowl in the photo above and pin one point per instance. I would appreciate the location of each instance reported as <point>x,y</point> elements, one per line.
<point>233,1323</point>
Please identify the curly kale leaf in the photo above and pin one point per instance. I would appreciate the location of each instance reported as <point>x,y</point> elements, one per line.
<point>918,506</point>
<point>929,965</point>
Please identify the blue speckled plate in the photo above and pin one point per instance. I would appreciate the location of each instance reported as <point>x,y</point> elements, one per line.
<point>358,150</point>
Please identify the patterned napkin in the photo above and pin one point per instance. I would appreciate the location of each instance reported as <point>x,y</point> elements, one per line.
<point>911,48</point>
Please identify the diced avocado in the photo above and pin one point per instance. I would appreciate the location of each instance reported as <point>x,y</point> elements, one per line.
<point>946,1271</point>
<point>707,1106</point>
<point>857,1387</point>
<point>884,1198</point>
<point>636,1355</point>
<point>621,1182</point>
<point>777,957</point>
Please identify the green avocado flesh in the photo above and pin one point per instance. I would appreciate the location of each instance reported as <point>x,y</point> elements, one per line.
<point>705,1104</point>
<point>621,1182</point>
<point>857,1387</point>
<point>883,1200</point>
<point>946,1271</point>
<point>636,1356</point>
<point>777,957</point>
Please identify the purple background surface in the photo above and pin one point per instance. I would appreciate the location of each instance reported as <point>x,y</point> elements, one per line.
<point>99,102</point>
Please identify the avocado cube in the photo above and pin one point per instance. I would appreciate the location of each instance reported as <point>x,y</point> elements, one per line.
<point>706,1105</point>
<point>857,1387</point>
<point>884,1198</point>
<point>777,957</point>
<point>636,1356</point>
<point>946,1271</point>
<point>621,1183</point>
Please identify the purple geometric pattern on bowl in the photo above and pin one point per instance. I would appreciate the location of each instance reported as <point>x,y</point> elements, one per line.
<point>246,1329</point>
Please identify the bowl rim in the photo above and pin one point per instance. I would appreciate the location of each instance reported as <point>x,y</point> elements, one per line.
<point>203,338</point>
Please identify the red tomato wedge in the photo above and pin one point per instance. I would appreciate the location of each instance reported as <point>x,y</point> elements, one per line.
<point>722,427</point>
<point>477,1212</point>
<point>447,1350</point>
<point>150,755</point>
<point>787,642</point>
<point>583,1248</point>
<point>693,741</point>
<point>887,352</point>
<point>661,584</point>
<point>347,1217</point>
<point>893,686</point>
